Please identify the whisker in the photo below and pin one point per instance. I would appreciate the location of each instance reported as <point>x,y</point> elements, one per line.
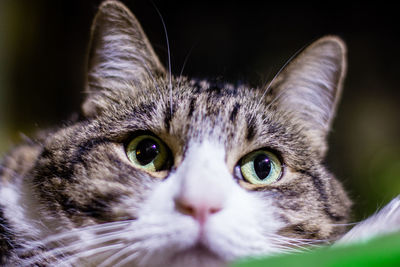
<point>285,249</point>
<point>60,251</point>
<point>75,232</point>
<point>117,255</point>
<point>184,65</point>
<point>293,244</point>
<point>279,237</point>
<point>265,82</point>
<point>97,236</point>
<point>277,74</point>
<point>90,252</point>
<point>76,244</point>
<point>151,76</point>
<point>275,99</point>
<point>169,55</point>
<point>124,261</point>
<point>296,244</point>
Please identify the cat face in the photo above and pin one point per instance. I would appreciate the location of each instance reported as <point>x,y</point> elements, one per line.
<point>182,172</point>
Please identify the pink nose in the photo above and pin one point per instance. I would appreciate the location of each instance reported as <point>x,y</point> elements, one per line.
<point>199,210</point>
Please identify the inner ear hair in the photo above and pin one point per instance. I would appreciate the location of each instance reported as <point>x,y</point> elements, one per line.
<point>119,54</point>
<point>309,88</point>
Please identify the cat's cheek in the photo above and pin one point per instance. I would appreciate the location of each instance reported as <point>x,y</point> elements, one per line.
<point>244,228</point>
<point>17,214</point>
<point>159,199</point>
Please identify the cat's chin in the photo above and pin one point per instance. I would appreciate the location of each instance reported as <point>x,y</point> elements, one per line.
<point>197,256</point>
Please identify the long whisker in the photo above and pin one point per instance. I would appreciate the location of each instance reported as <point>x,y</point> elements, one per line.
<point>131,257</point>
<point>102,232</point>
<point>305,240</point>
<point>89,253</point>
<point>151,75</point>
<point>277,74</point>
<point>118,255</point>
<point>71,248</point>
<point>96,237</point>
<point>169,56</point>
<point>184,65</point>
<point>297,244</point>
<point>76,232</point>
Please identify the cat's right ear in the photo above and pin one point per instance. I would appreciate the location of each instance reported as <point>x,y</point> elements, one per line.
<point>309,87</point>
<point>119,53</point>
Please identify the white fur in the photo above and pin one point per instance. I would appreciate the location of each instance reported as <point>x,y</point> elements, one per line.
<point>233,232</point>
<point>15,211</point>
<point>22,211</point>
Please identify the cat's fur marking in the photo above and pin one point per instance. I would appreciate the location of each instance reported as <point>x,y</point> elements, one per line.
<point>7,242</point>
<point>73,196</point>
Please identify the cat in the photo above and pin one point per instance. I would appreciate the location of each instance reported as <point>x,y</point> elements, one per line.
<point>171,171</point>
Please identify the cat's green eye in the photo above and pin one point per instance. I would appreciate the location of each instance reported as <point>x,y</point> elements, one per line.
<point>148,152</point>
<point>260,167</point>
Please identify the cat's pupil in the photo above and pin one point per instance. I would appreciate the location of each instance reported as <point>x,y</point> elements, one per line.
<point>146,151</point>
<point>262,166</point>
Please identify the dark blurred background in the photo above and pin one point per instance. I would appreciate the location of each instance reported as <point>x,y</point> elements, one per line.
<point>42,63</point>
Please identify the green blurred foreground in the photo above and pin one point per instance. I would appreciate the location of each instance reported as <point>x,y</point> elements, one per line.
<point>383,251</point>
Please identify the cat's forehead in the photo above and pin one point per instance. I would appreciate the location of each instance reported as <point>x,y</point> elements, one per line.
<point>215,110</point>
<point>186,111</point>
<point>204,109</point>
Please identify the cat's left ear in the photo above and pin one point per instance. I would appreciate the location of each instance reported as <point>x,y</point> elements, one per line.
<point>119,53</point>
<point>308,89</point>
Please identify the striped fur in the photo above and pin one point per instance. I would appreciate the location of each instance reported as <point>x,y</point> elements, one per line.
<point>72,197</point>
